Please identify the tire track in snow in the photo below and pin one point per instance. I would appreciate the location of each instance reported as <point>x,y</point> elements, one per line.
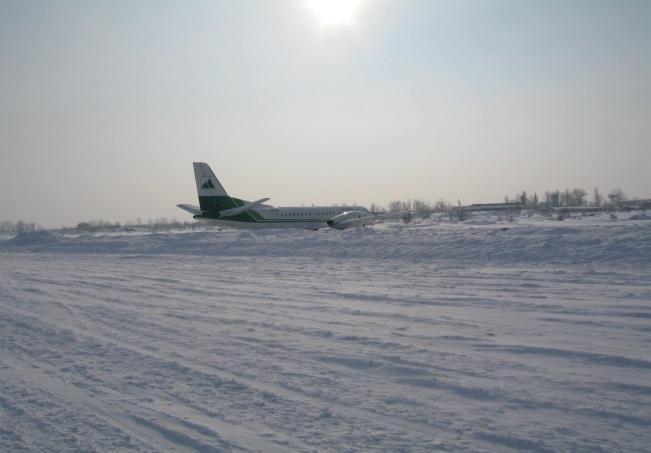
<point>355,344</point>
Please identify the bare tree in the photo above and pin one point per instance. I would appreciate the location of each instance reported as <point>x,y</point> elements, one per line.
<point>376,208</point>
<point>597,197</point>
<point>615,196</point>
<point>441,205</point>
<point>395,206</point>
<point>421,209</point>
<point>7,227</point>
<point>578,197</point>
<point>566,198</point>
<point>25,227</point>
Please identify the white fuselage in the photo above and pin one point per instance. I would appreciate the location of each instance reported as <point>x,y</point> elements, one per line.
<point>312,217</point>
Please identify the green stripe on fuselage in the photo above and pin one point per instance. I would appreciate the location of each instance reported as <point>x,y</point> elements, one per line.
<point>211,205</point>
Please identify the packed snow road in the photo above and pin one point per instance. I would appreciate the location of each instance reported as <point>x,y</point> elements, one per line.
<point>114,347</point>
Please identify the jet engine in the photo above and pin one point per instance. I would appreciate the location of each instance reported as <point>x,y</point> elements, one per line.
<point>350,219</point>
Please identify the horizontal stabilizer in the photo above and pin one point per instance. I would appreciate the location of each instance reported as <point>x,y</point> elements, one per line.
<point>243,208</point>
<point>192,209</point>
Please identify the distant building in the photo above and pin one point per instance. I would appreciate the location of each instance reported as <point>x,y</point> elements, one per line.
<point>493,207</point>
<point>635,204</point>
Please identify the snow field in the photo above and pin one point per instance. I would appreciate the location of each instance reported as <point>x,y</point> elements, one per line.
<point>380,340</point>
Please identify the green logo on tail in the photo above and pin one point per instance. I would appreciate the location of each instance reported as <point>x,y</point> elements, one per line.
<point>208,185</point>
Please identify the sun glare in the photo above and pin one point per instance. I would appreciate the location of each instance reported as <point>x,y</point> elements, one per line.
<point>334,12</point>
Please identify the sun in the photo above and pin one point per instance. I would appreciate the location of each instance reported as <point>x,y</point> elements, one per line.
<point>334,12</point>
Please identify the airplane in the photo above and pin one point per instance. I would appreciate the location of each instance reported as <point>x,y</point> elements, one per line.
<point>217,206</point>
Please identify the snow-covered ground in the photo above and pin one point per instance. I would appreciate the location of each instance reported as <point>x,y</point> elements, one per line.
<point>533,335</point>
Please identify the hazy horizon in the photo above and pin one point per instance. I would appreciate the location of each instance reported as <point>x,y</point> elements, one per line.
<point>104,106</point>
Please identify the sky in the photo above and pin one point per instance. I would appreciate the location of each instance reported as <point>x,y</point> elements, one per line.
<point>105,105</point>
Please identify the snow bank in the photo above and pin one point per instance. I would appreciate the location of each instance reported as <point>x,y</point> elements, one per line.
<point>31,239</point>
<point>544,242</point>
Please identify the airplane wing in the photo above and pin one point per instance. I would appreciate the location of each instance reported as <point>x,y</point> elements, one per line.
<point>244,208</point>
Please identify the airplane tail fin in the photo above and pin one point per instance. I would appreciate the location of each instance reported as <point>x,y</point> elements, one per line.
<point>207,182</point>
<point>212,196</point>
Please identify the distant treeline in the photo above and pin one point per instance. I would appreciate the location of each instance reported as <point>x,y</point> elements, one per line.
<point>567,198</point>
<point>576,197</point>
<point>19,227</point>
<point>160,223</point>
<point>420,208</point>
